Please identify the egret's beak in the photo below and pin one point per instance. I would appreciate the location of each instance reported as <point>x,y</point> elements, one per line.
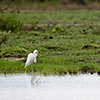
<point>39,53</point>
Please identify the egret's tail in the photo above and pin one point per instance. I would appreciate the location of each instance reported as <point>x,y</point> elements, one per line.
<point>25,65</point>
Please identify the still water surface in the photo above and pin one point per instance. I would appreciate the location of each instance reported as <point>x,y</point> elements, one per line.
<point>29,87</point>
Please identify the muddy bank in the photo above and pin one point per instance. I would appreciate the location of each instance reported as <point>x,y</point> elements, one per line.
<point>12,58</point>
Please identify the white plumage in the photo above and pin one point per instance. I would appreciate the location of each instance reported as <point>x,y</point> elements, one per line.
<point>31,58</point>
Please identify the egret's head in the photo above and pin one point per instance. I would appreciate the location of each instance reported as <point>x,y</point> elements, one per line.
<point>36,52</point>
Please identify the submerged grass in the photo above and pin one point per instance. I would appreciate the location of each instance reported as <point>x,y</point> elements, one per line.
<point>64,49</point>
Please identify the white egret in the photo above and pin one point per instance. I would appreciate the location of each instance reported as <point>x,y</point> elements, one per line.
<point>31,58</point>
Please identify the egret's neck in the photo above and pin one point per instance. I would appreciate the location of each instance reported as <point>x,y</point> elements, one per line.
<point>35,54</point>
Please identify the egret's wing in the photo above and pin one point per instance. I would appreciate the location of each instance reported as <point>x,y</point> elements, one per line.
<point>30,59</point>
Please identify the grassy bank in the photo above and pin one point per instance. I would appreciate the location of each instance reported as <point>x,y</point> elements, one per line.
<point>64,49</point>
<point>60,65</point>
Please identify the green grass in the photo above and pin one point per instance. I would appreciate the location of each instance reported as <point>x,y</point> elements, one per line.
<point>65,49</point>
<point>11,66</point>
<point>59,65</point>
<point>63,16</point>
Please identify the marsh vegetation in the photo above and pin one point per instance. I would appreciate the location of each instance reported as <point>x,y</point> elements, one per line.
<point>64,49</point>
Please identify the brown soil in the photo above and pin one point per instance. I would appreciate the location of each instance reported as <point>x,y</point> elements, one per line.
<point>64,24</point>
<point>12,58</point>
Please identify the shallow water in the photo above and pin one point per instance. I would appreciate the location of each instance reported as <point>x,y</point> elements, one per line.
<point>28,87</point>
